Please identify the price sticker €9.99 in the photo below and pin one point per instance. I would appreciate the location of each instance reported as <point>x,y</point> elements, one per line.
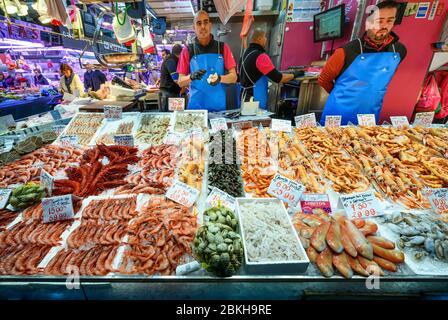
<point>361,205</point>
<point>182,193</point>
<point>286,190</point>
<point>57,208</point>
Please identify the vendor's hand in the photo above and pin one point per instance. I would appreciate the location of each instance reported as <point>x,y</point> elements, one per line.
<point>214,79</point>
<point>197,75</point>
<point>298,74</point>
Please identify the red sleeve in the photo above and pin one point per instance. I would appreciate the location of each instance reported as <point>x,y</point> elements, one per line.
<point>332,70</point>
<point>264,64</point>
<point>183,67</point>
<point>229,61</point>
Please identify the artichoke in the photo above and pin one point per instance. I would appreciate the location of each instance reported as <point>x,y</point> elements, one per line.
<point>26,195</point>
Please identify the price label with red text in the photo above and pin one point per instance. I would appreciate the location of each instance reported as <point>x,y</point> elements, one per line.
<point>305,120</point>
<point>46,181</point>
<point>113,112</point>
<point>399,121</point>
<point>176,104</point>
<point>58,129</point>
<point>310,202</point>
<point>4,197</point>
<point>281,125</point>
<point>361,205</point>
<point>423,118</point>
<point>438,198</point>
<point>126,140</point>
<point>57,208</point>
<point>218,196</point>
<point>367,120</point>
<point>218,124</point>
<point>333,121</point>
<point>286,190</point>
<point>182,193</point>
<point>69,140</point>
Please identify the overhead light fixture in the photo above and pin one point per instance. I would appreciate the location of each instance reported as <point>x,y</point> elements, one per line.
<point>192,8</point>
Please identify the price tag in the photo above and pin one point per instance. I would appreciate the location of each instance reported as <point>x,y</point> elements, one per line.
<point>306,120</point>
<point>173,138</point>
<point>218,124</point>
<point>195,134</point>
<point>286,190</point>
<point>176,104</point>
<point>399,121</point>
<point>8,121</point>
<point>113,112</point>
<point>438,199</point>
<point>367,120</point>
<point>126,140</point>
<point>56,115</point>
<point>222,197</point>
<point>58,129</point>
<point>361,205</point>
<point>57,208</point>
<point>312,201</point>
<point>333,121</point>
<point>423,118</point>
<point>46,181</point>
<point>69,140</point>
<point>242,125</point>
<point>281,125</point>
<point>4,197</point>
<point>182,193</point>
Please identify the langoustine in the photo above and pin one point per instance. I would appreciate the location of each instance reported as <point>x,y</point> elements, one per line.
<point>22,259</point>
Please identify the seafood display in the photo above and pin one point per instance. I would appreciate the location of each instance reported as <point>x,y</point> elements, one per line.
<point>349,246</point>
<point>111,209</point>
<point>6,217</point>
<point>93,232</point>
<point>153,129</point>
<point>159,238</point>
<point>185,121</point>
<point>51,158</point>
<point>192,162</point>
<point>217,244</point>
<point>257,165</point>
<point>22,259</point>
<point>434,138</point>
<point>267,232</point>
<point>84,125</point>
<point>336,165</point>
<point>108,138</point>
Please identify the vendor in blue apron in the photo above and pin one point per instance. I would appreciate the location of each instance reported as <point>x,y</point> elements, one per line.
<point>357,75</point>
<point>205,65</point>
<point>256,68</point>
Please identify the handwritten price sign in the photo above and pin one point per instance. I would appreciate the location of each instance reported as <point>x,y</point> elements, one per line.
<point>286,190</point>
<point>46,181</point>
<point>113,112</point>
<point>176,104</point>
<point>242,125</point>
<point>424,118</point>
<point>306,120</point>
<point>333,121</point>
<point>57,208</point>
<point>361,205</point>
<point>312,201</point>
<point>281,125</point>
<point>182,193</point>
<point>69,140</point>
<point>126,140</point>
<point>219,196</point>
<point>4,197</point>
<point>218,124</point>
<point>173,138</point>
<point>438,198</point>
<point>399,121</point>
<point>367,120</point>
<point>58,129</point>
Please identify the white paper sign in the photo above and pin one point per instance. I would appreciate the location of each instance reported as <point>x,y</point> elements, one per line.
<point>113,112</point>
<point>219,196</point>
<point>58,129</point>
<point>182,193</point>
<point>333,121</point>
<point>126,140</point>
<point>399,121</point>
<point>57,208</point>
<point>305,120</point>
<point>173,138</point>
<point>4,197</point>
<point>46,181</point>
<point>218,124</point>
<point>281,125</point>
<point>367,120</point>
<point>423,118</point>
<point>241,125</point>
<point>69,140</point>
<point>176,104</point>
<point>8,121</point>
<point>361,205</point>
<point>438,199</point>
<point>286,190</point>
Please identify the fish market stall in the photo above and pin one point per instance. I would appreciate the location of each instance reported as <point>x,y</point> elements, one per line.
<point>158,206</point>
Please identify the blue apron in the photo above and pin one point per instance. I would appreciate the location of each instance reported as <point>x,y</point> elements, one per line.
<point>260,88</point>
<point>202,94</point>
<point>361,88</point>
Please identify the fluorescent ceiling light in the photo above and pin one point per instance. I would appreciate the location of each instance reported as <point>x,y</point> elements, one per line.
<point>192,8</point>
